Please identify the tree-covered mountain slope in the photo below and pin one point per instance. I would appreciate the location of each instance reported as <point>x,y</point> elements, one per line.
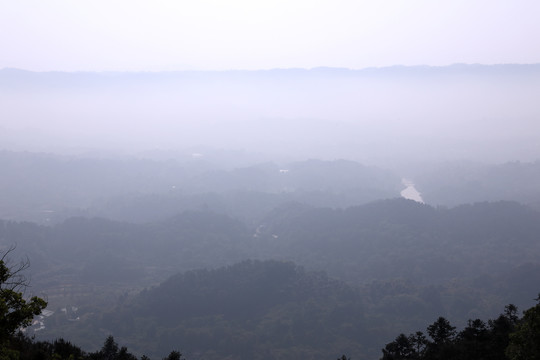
<point>250,310</point>
<point>411,262</point>
<point>402,238</point>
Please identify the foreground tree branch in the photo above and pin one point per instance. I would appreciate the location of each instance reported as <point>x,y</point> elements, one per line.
<point>15,310</point>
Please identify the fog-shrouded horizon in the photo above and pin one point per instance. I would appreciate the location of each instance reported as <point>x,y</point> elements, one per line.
<point>375,82</point>
<point>167,35</point>
<point>385,116</point>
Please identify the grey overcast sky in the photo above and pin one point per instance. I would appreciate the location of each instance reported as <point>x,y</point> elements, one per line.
<point>155,35</point>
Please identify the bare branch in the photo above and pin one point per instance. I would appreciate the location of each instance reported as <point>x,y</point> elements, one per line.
<point>12,276</point>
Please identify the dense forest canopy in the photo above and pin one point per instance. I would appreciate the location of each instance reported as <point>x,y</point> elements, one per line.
<point>267,310</point>
<point>398,264</point>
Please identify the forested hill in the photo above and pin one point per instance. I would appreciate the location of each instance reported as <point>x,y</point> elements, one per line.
<point>377,241</point>
<point>409,262</point>
<point>84,251</point>
<point>49,188</point>
<point>251,310</point>
<point>459,182</point>
<point>403,238</point>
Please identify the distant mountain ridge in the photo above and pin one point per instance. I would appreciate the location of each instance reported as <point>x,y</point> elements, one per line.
<point>10,77</point>
<point>373,115</point>
<point>320,69</point>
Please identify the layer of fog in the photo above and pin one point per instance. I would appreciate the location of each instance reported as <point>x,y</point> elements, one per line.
<point>374,116</point>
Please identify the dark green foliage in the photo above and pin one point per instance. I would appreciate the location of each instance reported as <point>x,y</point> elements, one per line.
<point>254,309</point>
<point>66,350</point>
<point>109,351</point>
<point>21,347</point>
<point>123,354</point>
<point>15,310</point>
<point>174,355</point>
<point>477,341</point>
<point>500,328</point>
<point>17,313</point>
<point>525,340</point>
<point>401,348</point>
<point>412,262</point>
<point>418,343</point>
<point>441,332</point>
<point>442,336</point>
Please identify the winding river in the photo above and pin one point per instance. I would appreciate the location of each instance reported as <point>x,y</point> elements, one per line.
<point>410,191</point>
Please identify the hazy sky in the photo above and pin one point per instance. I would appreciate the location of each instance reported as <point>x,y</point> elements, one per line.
<point>97,35</point>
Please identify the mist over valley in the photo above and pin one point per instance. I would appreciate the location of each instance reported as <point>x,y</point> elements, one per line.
<point>378,116</point>
<point>271,214</point>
